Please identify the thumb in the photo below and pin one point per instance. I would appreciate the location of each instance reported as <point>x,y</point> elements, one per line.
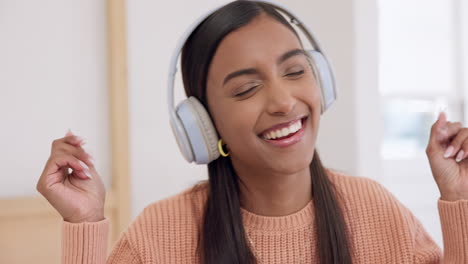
<point>439,132</point>
<point>442,120</point>
<point>440,129</point>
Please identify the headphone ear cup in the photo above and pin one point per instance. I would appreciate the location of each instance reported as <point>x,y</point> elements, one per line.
<point>199,129</point>
<point>181,138</point>
<point>324,74</point>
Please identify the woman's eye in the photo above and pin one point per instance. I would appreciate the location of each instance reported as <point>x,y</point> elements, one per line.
<point>295,73</point>
<point>245,92</point>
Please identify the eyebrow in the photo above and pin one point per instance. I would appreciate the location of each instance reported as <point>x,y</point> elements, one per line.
<point>250,71</point>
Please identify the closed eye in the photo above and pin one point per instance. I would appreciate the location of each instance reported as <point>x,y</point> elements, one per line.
<point>245,92</point>
<point>295,73</point>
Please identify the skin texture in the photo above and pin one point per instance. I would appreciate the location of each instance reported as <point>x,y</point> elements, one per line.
<point>276,180</point>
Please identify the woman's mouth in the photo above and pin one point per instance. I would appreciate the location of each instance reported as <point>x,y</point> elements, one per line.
<point>286,135</point>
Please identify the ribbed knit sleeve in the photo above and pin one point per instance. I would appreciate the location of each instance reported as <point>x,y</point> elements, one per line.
<point>86,243</point>
<point>454,221</point>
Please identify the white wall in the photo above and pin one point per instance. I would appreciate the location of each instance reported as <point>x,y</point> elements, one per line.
<point>52,77</point>
<point>369,124</point>
<point>464,43</point>
<point>158,169</point>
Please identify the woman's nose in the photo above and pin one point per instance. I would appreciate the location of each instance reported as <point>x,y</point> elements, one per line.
<point>280,100</point>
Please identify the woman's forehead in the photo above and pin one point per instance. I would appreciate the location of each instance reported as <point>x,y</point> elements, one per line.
<point>263,31</point>
<point>262,40</point>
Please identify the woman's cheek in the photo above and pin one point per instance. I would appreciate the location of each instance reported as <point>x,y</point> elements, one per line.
<point>237,121</point>
<point>240,133</point>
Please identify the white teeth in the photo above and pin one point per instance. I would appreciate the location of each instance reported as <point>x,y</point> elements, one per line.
<point>273,134</point>
<point>298,126</point>
<point>293,128</point>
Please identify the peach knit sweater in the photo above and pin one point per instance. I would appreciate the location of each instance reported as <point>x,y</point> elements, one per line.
<point>383,231</point>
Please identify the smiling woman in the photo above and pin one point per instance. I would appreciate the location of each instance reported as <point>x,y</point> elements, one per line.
<point>269,199</point>
<point>254,90</point>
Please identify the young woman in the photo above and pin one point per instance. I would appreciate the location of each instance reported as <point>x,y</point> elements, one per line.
<point>268,198</point>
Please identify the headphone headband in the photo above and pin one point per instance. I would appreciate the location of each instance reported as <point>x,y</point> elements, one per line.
<point>293,19</point>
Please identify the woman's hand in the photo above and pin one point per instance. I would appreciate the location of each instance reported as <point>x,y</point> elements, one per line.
<point>447,151</point>
<point>77,197</point>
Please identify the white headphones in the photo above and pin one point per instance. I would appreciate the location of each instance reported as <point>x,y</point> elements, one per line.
<point>191,124</point>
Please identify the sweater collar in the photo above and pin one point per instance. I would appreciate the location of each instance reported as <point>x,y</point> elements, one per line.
<point>304,216</point>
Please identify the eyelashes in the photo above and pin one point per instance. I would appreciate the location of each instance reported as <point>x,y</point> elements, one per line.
<point>245,92</point>
<point>293,74</point>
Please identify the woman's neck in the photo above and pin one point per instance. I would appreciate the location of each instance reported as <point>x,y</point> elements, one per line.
<point>273,194</point>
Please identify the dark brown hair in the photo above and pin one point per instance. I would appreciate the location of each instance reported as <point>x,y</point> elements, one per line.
<point>221,236</point>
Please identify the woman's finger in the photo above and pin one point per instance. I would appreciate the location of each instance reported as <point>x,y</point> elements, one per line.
<point>456,144</point>
<point>73,173</point>
<point>79,153</point>
<point>56,170</point>
<point>463,152</point>
<point>72,162</point>
<point>435,146</point>
<point>73,139</point>
<point>450,130</point>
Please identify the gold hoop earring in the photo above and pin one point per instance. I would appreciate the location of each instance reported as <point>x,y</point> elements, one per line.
<point>220,149</point>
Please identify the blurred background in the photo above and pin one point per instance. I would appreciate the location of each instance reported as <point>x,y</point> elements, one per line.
<point>100,69</point>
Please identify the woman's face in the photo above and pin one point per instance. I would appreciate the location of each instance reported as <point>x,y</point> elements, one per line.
<point>259,83</point>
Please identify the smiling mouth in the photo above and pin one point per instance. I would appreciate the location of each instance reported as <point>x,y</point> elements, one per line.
<point>284,132</point>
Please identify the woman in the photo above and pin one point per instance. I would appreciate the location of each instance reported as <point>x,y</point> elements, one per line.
<point>268,198</point>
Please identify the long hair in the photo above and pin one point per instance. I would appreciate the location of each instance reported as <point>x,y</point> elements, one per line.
<point>222,236</point>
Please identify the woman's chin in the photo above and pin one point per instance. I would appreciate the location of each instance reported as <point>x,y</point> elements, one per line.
<point>289,166</point>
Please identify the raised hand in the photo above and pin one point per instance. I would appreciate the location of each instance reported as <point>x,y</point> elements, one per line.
<point>447,151</point>
<point>79,196</point>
